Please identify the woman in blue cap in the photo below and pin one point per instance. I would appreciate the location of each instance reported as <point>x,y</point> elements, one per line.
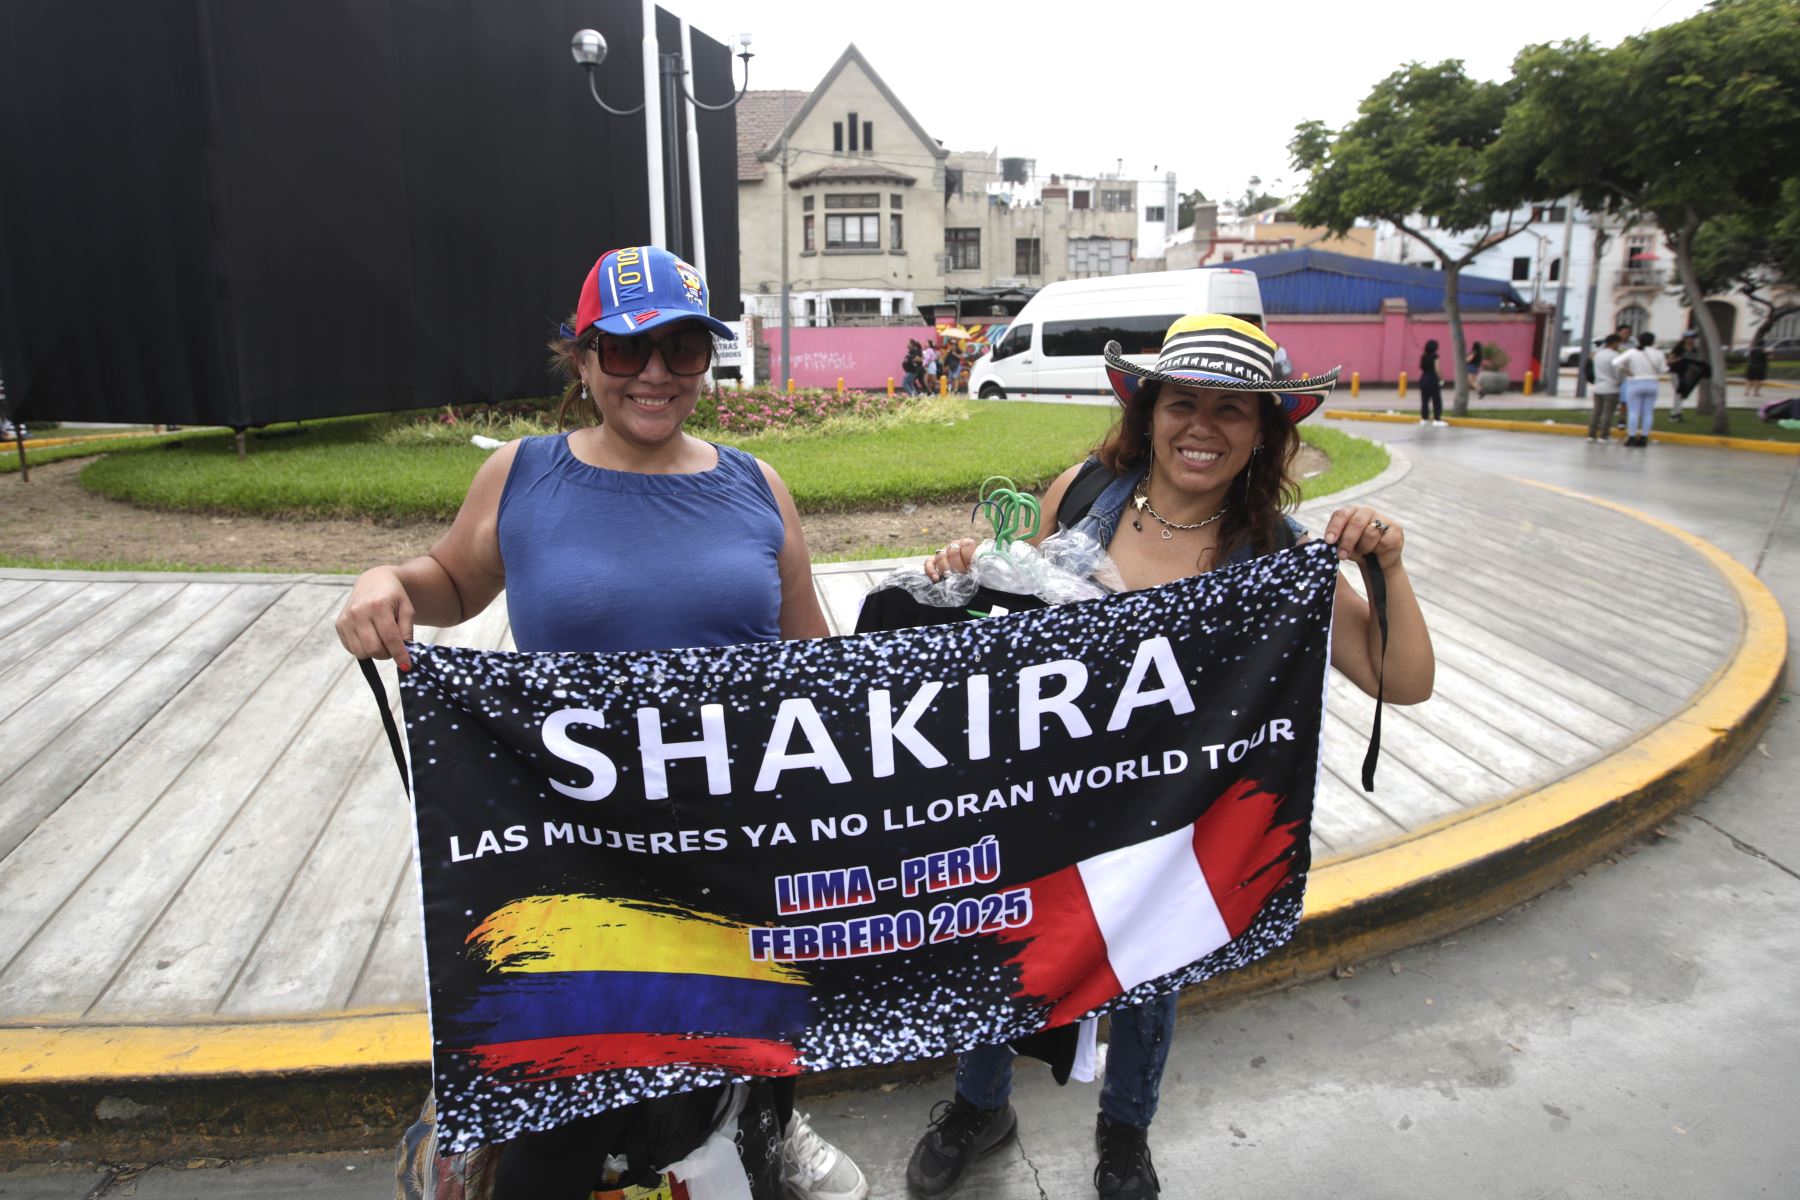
<point>625,534</point>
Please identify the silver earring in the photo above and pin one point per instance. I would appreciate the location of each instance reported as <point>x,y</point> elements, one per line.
<point>584,395</point>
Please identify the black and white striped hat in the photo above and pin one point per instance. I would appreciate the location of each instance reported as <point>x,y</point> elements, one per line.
<point>1223,353</point>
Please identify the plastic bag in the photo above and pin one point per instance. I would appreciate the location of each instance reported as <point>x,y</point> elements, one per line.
<point>1068,566</point>
<point>421,1173</point>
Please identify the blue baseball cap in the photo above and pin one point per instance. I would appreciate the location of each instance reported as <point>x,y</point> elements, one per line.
<point>638,288</point>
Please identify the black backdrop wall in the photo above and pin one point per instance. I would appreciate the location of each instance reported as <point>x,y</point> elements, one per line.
<point>216,212</point>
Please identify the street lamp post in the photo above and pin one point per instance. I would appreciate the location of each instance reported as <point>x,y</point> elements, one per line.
<point>588,48</point>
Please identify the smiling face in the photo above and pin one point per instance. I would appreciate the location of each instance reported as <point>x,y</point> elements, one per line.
<point>647,408</point>
<point>1200,438</point>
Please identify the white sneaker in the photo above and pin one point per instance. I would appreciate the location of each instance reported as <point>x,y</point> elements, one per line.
<point>1423,421</point>
<point>814,1169</point>
<point>1445,424</point>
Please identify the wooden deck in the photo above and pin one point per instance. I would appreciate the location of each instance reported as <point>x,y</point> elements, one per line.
<point>199,819</point>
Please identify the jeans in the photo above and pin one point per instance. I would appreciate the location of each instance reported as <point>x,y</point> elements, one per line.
<point>1134,1065</point>
<point>1431,399</point>
<point>1601,423</point>
<point>1640,403</point>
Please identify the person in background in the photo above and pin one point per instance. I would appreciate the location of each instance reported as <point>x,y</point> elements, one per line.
<point>1756,370</point>
<point>1639,368</point>
<point>1606,388</point>
<point>913,367</point>
<point>626,534</point>
<point>1431,387</point>
<point>1472,363</point>
<point>952,368</point>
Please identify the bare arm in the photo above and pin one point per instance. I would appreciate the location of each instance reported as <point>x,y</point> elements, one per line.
<point>456,579</point>
<point>1408,673</point>
<point>801,616</point>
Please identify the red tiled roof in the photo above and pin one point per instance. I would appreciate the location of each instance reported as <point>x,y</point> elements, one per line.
<point>761,116</point>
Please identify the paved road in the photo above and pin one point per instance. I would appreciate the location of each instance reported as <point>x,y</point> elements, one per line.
<point>1626,1035</point>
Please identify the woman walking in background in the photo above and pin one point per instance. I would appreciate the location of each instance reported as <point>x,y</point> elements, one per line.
<point>1639,369</point>
<point>1431,388</point>
<point>1756,371</point>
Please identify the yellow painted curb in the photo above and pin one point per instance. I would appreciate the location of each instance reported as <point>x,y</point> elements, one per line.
<point>1679,744</point>
<point>95,1053</point>
<point>46,443</point>
<point>1564,429</point>
<point>1691,751</point>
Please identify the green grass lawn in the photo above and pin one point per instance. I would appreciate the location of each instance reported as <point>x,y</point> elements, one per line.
<point>1744,422</point>
<point>342,468</point>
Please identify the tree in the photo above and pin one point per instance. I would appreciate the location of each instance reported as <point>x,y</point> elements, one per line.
<point>1688,124</point>
<point>1184,212</point>
<point>1420,155</point>
<point>1756,253</point>
<point>1254,199</point>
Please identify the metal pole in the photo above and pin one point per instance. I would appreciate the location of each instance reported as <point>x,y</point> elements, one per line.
<point>653,126</point>
<point>696,205</point>
<point>787,316</point>
<point>1553,368</point>
<point>671,115</point>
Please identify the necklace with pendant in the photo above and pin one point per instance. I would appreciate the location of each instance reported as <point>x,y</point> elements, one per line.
<point>1142,501</point>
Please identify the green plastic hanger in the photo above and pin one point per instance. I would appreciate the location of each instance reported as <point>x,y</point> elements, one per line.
<point>1014,515</point>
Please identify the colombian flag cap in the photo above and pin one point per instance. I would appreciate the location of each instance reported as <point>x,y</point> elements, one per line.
<point>638,288</point>
<point>1215,351</point>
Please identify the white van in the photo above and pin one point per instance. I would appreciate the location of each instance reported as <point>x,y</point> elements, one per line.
<point>1053,349</point>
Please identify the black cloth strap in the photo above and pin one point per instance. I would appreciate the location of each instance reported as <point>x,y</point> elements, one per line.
<point>1377,583</point>
<point>387,719</point>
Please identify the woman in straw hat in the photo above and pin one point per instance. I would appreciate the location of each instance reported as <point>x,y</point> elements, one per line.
<point>1195,473</point>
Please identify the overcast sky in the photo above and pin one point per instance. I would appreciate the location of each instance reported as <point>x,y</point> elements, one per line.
<point>1208,90</point>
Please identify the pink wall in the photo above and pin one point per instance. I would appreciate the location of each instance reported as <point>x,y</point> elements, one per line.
<point>1381,346</point>
<point>865,357</point>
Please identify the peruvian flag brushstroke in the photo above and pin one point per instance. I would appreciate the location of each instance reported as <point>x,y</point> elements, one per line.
<point>1111,922</point>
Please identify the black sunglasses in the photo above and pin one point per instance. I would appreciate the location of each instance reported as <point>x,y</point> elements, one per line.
<point>684,352</point>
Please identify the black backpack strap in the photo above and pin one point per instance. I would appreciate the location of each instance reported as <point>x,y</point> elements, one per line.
<point>387,720</point>
<point>1377,584</point>
<point>1084,489</point>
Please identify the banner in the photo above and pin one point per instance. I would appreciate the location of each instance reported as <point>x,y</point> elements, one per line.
<point>650,871</point>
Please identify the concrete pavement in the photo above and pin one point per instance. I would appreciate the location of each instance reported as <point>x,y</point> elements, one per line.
<point>1622,1036</point>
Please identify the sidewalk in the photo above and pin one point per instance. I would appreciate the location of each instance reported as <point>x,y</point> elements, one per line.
<point>207,910</point>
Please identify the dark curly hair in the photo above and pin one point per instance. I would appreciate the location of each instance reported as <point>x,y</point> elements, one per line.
<point>1258,497</point>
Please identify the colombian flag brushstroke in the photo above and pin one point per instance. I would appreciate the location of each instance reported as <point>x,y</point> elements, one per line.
<point>585,983</point>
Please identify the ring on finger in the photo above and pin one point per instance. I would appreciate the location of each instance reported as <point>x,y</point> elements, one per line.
<point>1380,525</point>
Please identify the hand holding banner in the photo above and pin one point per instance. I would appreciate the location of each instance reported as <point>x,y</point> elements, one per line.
<point>650,871</point>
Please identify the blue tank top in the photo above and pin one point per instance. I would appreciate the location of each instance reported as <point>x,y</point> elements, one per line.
<point>613,560</point>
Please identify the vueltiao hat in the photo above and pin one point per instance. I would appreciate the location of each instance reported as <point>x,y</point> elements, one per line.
<point>640,287</point>
<point>1224,353</point>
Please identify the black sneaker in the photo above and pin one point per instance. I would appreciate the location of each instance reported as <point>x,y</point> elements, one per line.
<point>1125,1169</point>
<point>959,1134</point>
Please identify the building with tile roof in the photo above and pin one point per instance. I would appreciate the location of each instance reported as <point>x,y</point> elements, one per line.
<point>885,224</point>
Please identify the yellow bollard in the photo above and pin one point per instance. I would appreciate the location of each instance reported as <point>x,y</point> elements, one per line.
<point>1402,385</point>
<point>1529,380</point>
<point>943,385</point>
<point>890,387</point>
<point>1355,383</point>
<point>840,385</point>
<point>790,387</point>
